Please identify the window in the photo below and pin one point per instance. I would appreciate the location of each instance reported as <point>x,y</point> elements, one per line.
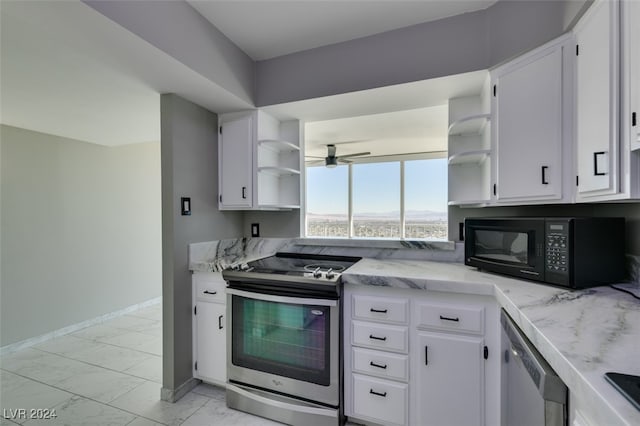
<point>425,199</point>
<point>328,201</point>
<point>376,200</point>
<point>394,199</point>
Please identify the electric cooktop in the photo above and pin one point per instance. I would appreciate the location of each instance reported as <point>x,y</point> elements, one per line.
<point>628,385</point>
<point>299,267</point>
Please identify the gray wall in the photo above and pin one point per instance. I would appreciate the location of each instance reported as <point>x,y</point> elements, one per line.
<point>284,224</point>
<point>189,146</point>
<point>454,45</point>
<point>80,227</point>
<point>631,211</point>
<point>180,31</point>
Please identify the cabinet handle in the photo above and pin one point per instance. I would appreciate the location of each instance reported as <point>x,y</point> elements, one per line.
<point>220,322</point>
<point>456,319</point>
<point>210,292</point>
<point>595,163</point>
<point>371,336</point>
<point>373,364</point>
<point>426,355</point>
<point>544,175</point>
<point>383,394</point>
<point>244,192</point>
<point>378,311</point>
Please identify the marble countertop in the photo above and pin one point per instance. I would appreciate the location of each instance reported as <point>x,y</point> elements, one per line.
<point>582,334</point>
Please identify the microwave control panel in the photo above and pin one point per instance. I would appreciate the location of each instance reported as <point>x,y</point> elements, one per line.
<point>557,247</point>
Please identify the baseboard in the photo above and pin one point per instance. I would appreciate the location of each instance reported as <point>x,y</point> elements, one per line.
<point>174,395</point>
<point>75,327</point>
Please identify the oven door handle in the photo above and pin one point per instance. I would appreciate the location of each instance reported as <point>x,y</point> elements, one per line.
<point>281,299</point>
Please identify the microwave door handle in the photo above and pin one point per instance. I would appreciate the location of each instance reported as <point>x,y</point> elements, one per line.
<point>502,264</point>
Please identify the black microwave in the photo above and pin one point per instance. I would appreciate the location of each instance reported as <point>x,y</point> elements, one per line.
<point>574,252</point>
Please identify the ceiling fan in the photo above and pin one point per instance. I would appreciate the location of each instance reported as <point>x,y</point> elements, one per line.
<point>332,160</point>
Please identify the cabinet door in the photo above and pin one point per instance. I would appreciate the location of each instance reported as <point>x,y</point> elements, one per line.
<point>236,163</point>
<point>450,380</point>
<point>529,133</point>
<point>631,43</point>
<point>211,343</point>
<point>597,100</point>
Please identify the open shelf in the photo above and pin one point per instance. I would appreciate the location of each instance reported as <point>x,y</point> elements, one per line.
<point>469,124</point>
<point>278,145</point>
<point>470,157</point>
<point>278,206</point>
<point>278,171</point>
<point>475,203</point>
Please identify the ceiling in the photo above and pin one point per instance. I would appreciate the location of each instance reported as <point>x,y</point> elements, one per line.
<point>69,71</point>
<point>392,133</point>
<point>269,28</point>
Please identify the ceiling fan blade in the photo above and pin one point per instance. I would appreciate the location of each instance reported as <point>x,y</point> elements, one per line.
<point>350,141</point>
<point>355,155</point>
<point>340,160</point>
<point>313,156</point>
<point>315,163</point>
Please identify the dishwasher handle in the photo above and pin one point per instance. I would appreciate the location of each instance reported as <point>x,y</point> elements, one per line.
<point>550,386</point>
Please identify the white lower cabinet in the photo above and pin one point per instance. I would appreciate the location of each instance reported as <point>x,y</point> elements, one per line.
<point>382,364</point>
<point>425,358</point>
<point>210,359</point>
<point>382,401</point>
<point>449,371</point>
<point>209,328</point>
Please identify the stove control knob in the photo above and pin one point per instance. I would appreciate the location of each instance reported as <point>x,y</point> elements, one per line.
<point>317,273</point>
<point>330,274</point>
<point>244,267</point>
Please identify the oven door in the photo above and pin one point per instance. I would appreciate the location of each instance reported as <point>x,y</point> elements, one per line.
<point>508,246</point>
<point>285,344</point>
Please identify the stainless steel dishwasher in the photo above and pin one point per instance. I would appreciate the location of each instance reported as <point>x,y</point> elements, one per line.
<point>532,393</point>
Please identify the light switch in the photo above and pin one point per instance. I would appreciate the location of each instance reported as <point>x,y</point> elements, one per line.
<point>185,203</point>
<point>255,229</point>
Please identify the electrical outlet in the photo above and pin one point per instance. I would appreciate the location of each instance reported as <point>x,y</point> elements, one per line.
<point>255,229</point>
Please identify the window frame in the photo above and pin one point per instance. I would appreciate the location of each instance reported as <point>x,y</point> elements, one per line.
<point>380,159</point>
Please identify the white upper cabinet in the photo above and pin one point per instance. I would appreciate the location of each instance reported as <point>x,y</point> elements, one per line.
<point>630,122</point>
<point>532,119</point>
<point>259,162</point>
<point>235,150</point>
<point>597,88</point>
<point>631,45</point>
<point>608,161</point>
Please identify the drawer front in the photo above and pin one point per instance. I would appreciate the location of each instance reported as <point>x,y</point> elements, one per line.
<point>381,364</point>
<point>210,287</point>
<point>380,400</point>
<point>381,308</point>
<point>469,319</point>
<point>380,336</point>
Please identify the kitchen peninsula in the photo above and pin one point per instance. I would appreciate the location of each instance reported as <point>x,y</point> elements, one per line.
<point>582,334</point>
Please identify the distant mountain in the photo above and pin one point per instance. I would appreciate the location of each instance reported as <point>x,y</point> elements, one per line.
<point>410,215</point>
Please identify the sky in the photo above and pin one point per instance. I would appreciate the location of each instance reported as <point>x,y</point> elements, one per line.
<point>376,187</point>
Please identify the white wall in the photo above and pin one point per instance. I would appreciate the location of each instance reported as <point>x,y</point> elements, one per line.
<point>81,230</point>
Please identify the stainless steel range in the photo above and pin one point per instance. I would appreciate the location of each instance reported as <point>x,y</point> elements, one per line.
<point>284,339</point>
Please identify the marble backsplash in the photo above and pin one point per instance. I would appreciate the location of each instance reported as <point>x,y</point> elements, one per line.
<point>214,256</point>
<point>633,270</point>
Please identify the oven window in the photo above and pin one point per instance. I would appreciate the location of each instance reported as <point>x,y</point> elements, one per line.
<point>502,246</point>
<point>284,339</point>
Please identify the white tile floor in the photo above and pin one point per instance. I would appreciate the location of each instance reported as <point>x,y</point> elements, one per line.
<point>107,374</point>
